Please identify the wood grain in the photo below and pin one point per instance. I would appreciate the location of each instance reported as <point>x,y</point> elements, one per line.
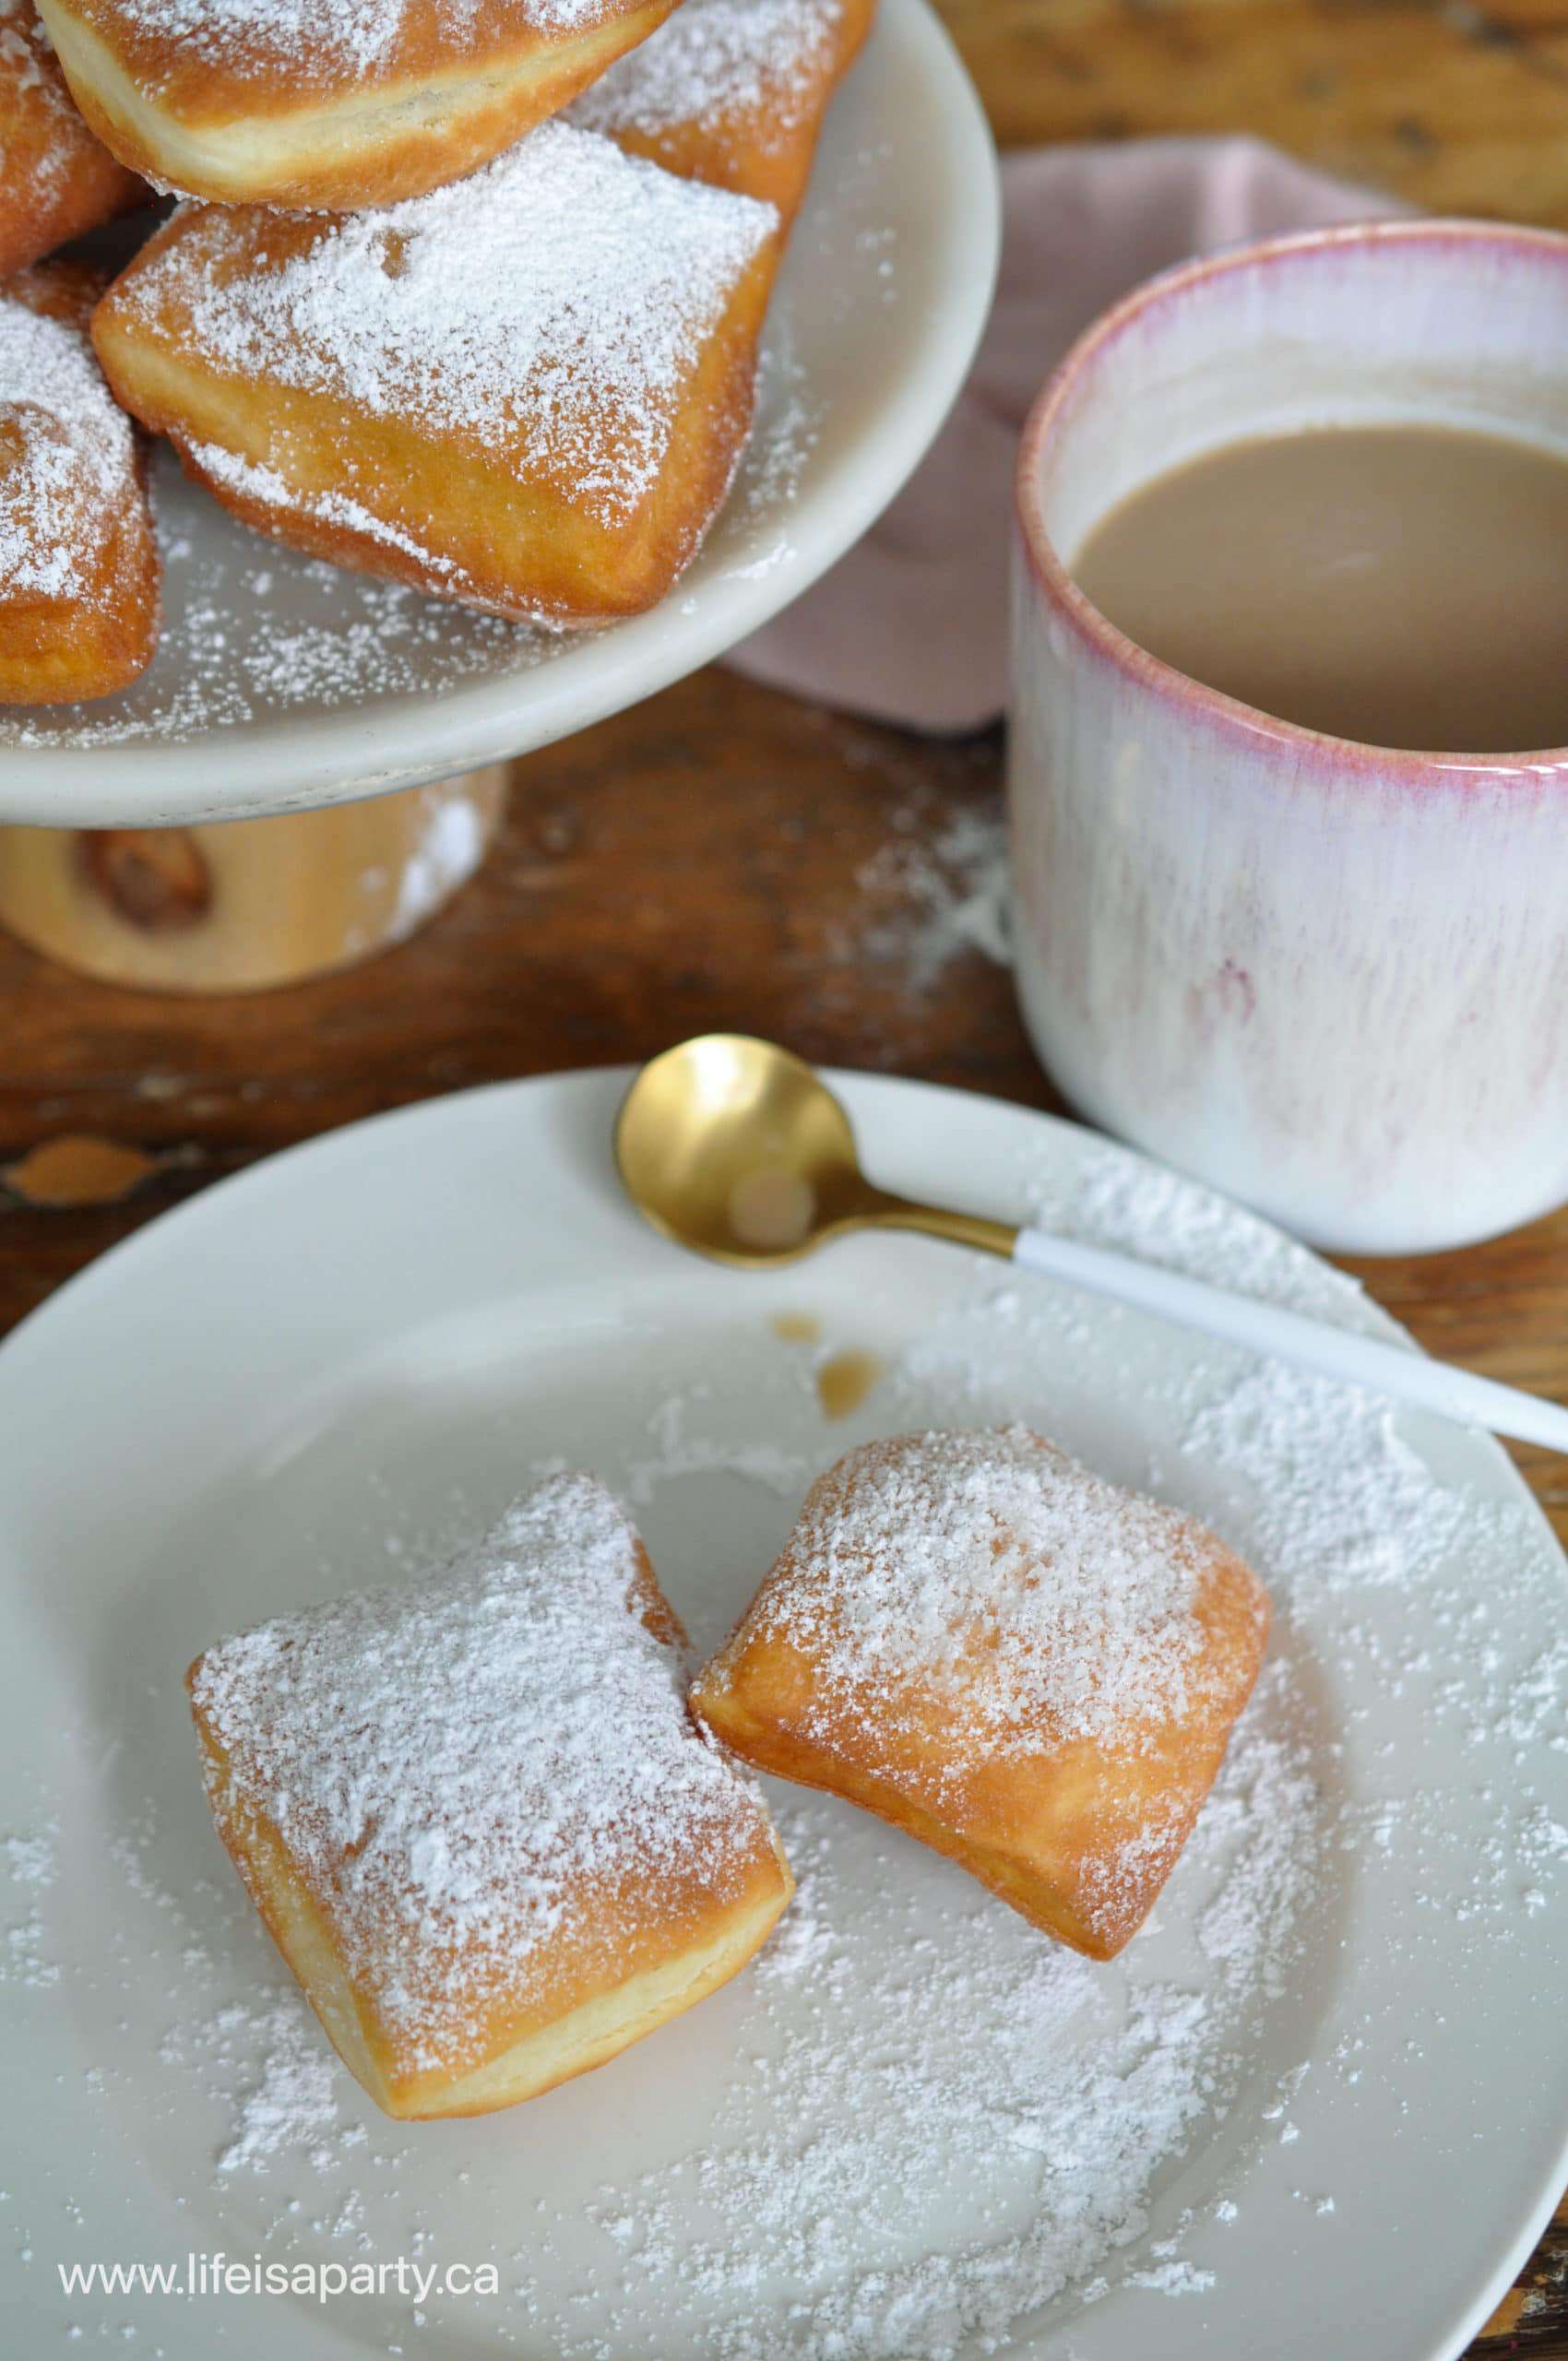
<point>727,857</point>
<point>1459,106</point>
<point>722,858</point>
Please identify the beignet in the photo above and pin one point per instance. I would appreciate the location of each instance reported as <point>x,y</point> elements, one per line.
<point>478,1818</point>
<point>324,103</point>
<point>78,559</point>
<point>733,91</point>
<point>528,392</point>
<point>56,180</point>
<point>1014,1661</point>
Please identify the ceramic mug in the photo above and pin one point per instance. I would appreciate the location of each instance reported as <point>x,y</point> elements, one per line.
<point>1331,979</point>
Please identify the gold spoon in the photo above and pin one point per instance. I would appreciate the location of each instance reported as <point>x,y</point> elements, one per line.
<point>736,1149</point>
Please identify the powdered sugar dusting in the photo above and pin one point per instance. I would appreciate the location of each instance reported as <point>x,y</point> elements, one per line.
<point>552,307</point>
<point>324,41</point>
<point>32,78</point>
<point>249,481</point>
<point>258,639</point>
<point>69,472</point>
<point>718,62</point>
<point>293,2101</point>
<point>913,1560</point>
<point>460,1767</point>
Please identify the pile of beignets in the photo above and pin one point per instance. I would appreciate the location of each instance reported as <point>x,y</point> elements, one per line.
<point>499,1834</point>
<point>465,293</point>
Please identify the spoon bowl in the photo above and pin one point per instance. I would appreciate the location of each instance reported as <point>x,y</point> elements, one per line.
<point>736,1149</point>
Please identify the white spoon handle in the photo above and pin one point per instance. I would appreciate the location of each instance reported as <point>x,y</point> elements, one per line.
<point>1394,1370</point>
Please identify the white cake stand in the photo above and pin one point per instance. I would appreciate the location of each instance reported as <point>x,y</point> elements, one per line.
<point>284,686</point>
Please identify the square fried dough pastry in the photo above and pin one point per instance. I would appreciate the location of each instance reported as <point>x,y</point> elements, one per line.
<point>79,559</point>
<point>312,105</point>
<point>528,392</point>
<point>1014,1661</point>
<point>56,180</point>
<point>478,1818</point>
<point>733,91</point>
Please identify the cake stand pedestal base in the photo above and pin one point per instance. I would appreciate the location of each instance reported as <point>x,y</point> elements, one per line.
<point>242,906</point>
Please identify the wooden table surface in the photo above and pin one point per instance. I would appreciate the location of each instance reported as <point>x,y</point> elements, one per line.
<point>727,857</point>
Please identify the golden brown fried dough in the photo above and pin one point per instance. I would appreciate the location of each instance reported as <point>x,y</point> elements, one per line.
<point>315,104</point>
<point>993,1649</point>
<point>528,392</point>
<point>733,91</point>
<point>56,180</point>
<point>78,559</point>
<point>478,1818</point>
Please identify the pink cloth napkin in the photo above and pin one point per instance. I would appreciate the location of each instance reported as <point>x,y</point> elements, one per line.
<point>912,626</point>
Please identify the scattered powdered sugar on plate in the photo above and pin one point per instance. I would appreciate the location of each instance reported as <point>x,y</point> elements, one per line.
<point>29,1860</point>
<point>1110,1198</point>
<point>677,1451</point>
<point>1379,1520</point>
<point>25,1957</point>
<point>786,427</point>
<point>1023,2152</point>
<point>294,2102</point>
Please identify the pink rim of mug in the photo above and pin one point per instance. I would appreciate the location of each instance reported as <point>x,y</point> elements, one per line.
<point>1302,746</point>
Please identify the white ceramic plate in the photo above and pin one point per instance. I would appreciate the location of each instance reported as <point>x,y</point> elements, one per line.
<point>283,684</point>
<point>1319,2101</point>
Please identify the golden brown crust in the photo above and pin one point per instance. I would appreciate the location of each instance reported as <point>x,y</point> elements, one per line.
<point>244,121</point>
<point>496,522</point>
<point>88,626</point>
<point>70,292</point>
<point>765,147</point>
<point>1077,1830</point>
<point>491,541</point>
<point>699,1944</point>
<point>673,1888</point>
<point>56,180</point>
<point>68,652</point>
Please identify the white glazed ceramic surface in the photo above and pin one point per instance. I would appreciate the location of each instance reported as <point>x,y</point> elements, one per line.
<point>333,1368</point>
<point>283,684</point>
<point>1333,981</point>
